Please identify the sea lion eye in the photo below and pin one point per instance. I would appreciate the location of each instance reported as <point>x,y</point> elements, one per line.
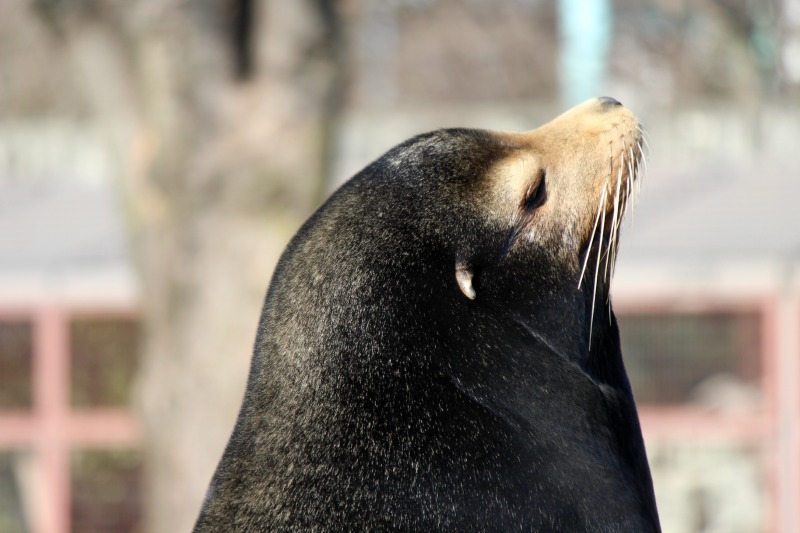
<point>537,193</point>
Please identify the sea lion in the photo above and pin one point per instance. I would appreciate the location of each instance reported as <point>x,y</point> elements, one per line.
<point>437,350</point>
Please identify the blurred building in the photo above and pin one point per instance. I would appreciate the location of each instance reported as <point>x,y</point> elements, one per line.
<point>69,336</point>
<point>707,286</point>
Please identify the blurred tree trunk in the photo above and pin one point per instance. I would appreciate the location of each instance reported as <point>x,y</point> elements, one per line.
<point>232,142</point>
<point>220,112</point>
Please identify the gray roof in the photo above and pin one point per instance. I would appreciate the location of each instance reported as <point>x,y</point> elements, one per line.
<point>718,211</point>
<point>60,228</point>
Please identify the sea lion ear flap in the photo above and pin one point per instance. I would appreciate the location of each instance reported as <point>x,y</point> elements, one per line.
<point>464,279</point>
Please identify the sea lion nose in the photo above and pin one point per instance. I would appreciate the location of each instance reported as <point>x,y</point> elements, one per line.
<point>606,103</point>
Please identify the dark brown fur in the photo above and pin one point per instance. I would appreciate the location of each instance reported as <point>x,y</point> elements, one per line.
<point>382,397</point>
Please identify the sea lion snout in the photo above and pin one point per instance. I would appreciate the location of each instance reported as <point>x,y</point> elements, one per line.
<point>591,155</point>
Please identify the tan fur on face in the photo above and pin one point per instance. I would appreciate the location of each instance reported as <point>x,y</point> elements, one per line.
<point>589,153</point>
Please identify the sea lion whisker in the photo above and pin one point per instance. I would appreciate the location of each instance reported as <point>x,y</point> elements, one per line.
<point>604,255</point>
<point>633,173</point>
<point>597,266</point>
<point>631,163</point>
<point>632,169</point>
<point>643,160</point>
<point>628,194</point>
<point>616,239</point>
<point>600,205</point>
<point>644,136</point>
<point>614,220</point>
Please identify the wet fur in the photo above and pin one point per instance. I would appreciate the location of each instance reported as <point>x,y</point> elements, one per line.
<point>381,398</point>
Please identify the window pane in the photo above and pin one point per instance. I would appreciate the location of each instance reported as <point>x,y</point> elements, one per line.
<point>106,491</point>
<point>14,469</point>
<point>16,356</point>
<point>713,486</point>
<point>707,359</point>
<point>104,354</point>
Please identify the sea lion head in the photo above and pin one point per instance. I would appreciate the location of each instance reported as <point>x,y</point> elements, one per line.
<point>571,176</point>
<point>562,191</point>
<point>526,223</point>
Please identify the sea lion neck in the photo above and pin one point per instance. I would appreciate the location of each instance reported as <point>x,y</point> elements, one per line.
<point>540,294</point>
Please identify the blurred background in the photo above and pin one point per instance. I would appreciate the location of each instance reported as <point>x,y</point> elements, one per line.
<point>157,155</point>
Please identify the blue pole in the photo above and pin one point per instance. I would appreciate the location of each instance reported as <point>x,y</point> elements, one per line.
<point>585,27</point>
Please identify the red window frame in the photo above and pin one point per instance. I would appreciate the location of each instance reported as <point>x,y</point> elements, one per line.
<point>775,427</point>
<point>52,428</point>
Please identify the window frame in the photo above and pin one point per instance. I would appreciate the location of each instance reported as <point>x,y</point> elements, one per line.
<point>53,428</point>
<point>775,427</point>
